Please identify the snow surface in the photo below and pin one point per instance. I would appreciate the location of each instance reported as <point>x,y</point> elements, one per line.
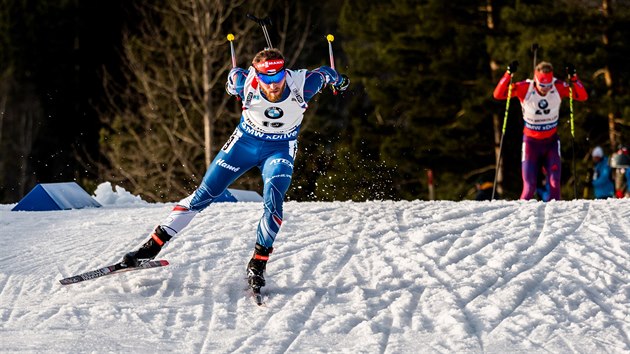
<point>373,277</point>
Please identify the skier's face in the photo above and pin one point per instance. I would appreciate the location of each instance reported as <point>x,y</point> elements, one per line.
<point>543,88</point>
<point>273,91</point>
<point>544,81</point>
<point>271,74</point>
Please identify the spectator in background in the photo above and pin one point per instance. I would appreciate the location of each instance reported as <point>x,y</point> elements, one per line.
<point>603,186</point>
<point>620,162</point>
<point>484,190</point>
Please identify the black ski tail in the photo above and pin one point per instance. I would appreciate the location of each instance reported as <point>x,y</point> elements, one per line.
<point>111,269</point>
<point>258,296</point>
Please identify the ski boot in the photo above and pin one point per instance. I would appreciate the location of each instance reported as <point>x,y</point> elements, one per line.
<point>256,267</point>
<point>148,250</point>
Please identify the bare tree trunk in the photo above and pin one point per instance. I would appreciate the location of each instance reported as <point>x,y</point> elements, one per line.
<point>207,116</point>
<point>496,125</point>
<point>496,119</point>
<point>28,114</point>
<point>3,105</point>
<point>21,115</point>
<point>613,134</point>
<point>430,184</point>
<point>206,86</point>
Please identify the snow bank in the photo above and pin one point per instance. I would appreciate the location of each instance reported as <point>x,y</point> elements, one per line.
<point>106,195</point>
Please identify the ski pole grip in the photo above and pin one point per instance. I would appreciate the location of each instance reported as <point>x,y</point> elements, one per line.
<point>260,21</point>
<point>330,38</point>
<point>230,38</point>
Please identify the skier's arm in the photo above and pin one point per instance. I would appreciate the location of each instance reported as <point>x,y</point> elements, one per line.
<point>236,82</point>
<point>519,89</point>
<point>578,91</point>
<point>317,79</point>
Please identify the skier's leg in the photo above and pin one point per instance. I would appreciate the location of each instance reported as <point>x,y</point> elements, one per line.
<point>223,171</point>
<point>234,159</point>
<point>529,169</point>
<point>277,170</point>
<point>554,169</point>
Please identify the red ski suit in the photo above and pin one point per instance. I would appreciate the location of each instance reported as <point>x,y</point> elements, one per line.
<point>541,146</point>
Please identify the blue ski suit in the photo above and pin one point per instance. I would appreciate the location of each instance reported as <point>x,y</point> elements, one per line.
<point>603,185</point>
<point>266,137</point>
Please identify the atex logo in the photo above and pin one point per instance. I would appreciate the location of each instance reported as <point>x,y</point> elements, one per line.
<point>274,113</point>
<point>282,161</point>
<point>222,163</point>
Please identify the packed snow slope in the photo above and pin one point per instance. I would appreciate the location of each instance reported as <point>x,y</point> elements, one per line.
<point>373,277</point>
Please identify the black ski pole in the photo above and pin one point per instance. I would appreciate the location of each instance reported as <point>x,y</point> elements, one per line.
<point>263,23</point>
<point>505,117</point>
<point>572,131</point>
<point>535,50</point>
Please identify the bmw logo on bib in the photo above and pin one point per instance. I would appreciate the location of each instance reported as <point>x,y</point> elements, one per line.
<point>542,104</point>
<point>274,113</point>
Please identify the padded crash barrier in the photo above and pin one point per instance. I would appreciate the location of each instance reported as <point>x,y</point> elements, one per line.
<point>56,196</point>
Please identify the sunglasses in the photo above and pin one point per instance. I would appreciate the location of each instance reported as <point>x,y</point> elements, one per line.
<point>272,79</point>
<point>550,85</point>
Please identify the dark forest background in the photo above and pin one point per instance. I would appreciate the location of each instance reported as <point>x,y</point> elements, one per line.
<point>132,92</point>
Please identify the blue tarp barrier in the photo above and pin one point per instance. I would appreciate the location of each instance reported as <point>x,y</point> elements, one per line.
<point>56,196</point>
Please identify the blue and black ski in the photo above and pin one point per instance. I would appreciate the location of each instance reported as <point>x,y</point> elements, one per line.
<point>112,269</point>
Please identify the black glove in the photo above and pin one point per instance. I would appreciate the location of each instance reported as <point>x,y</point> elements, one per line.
<point>343,84</point>
<point>513,67</point>
<point>570,68</point>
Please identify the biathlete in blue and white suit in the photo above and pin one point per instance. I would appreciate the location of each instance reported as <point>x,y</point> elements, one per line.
<point>274,101</point>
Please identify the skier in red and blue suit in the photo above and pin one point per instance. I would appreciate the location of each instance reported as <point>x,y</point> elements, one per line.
<point>274,101</point>
<point>540,101</point>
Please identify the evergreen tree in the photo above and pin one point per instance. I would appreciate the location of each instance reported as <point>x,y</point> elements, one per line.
<point>419,62</point>
<point>422,74</point>
<point>570,31</point>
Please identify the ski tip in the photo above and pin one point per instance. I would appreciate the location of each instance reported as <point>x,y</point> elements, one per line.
<point>163,262</point>
<point>68,281</point>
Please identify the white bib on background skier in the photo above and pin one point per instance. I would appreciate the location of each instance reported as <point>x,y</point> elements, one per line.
<point>541,113</point>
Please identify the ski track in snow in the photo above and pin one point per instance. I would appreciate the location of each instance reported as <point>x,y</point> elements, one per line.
<point>374,277</point>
